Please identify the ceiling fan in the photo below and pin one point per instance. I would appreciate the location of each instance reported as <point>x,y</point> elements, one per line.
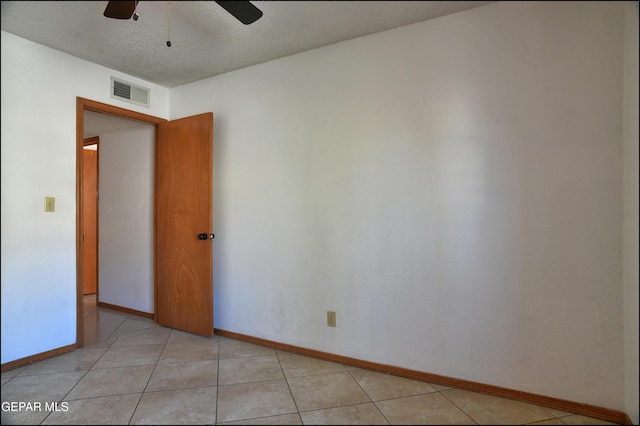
<point>243,11</point>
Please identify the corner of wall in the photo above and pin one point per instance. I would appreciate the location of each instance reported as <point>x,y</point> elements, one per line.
<point>630,210</point>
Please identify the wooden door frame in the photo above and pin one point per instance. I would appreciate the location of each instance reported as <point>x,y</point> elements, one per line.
<point>83,105</point>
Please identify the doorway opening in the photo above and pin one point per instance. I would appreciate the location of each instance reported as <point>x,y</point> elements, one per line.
<point>83,106</point>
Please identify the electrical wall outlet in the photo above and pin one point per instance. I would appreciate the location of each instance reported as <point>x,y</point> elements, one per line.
<point>331,318</point>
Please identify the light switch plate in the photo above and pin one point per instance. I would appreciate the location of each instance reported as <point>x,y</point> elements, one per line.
<point>331,318</point>
<point>49,204</point>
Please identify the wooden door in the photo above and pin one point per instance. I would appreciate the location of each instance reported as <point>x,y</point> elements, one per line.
<point>183,211</point>
<point>89,218</point>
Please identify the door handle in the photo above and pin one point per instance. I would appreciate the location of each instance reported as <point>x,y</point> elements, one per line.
<point>203,236</point>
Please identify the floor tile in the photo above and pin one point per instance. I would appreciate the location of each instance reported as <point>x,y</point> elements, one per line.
<point>253,400</point>
<point>285,419</point>
<point>97,344</point>
<point>80,360</point>
<point>249,369</point>
<point>493,410</point>
<point>385,386</point>
<point>123,356</point>
<point>99,330</point>
<point>577,419</point>
<point>148,336</point>
<point>440,387</point>
<point>109,410</point>
<point>177,407</point>
<point>181,375</point>
<point>132,324</point>
<point>295,365</point>
<point>89,310</point>
<point>426,409</point>
<point>230,348</point>
<point>42,388</point>
<point>180,352</point>
<point>103,314</point>
<point>111,381</point>
<point>549,422</point>
<point>361,414</point>
<point>178,336</point>
<point>557,413</point>
<point>13,372</point>
<point>23,417</point>
<point>326,391</point>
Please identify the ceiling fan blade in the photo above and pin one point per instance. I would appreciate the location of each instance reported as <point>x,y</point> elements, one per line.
<point>120,9</point>
<point>243,11</point>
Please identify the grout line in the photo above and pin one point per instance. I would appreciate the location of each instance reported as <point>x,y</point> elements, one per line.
<point>461,410</point>
<point>286,380</point>
<point>371,401</point>
<point>217,379</point>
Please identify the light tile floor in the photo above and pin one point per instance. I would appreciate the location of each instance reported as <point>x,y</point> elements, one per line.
<point>133,371</point>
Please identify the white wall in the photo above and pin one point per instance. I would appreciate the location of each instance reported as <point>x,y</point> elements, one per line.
<point>630,210</point>
<point>452,189</point>
<point>39,89</point>
<point>126,218</point>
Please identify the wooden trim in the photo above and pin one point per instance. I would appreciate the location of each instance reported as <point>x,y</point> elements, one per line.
<point>127,310</point>
<point>546,401</point>
<point>627,420</point>
<point>97,140</point>
<point>90,105</point>
<point>37,357</point>
<point>93,140</point>
<point>82,105</point>
<point>155,222</point>
<point>79,219</point>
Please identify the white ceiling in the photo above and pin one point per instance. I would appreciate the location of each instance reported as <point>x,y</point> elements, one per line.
<point>206,40</point>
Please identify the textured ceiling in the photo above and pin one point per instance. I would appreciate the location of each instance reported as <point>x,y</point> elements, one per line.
<point>205,39</point>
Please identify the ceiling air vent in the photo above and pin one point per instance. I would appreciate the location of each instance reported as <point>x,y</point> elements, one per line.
<point>129,92</point>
